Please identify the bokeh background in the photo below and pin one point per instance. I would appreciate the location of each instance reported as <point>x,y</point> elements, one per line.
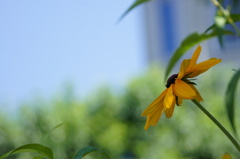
<point>75,64</point>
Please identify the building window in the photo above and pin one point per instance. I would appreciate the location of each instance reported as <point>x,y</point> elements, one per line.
<point>166,15</point>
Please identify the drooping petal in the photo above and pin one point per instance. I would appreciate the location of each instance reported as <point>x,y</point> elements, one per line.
<point>203,66</point>
<point>169,111</point>
<point>153,118</point>
<point>194,58</point>
<point>183,68</point>
<point>198,95</point>
<point>183,90</point>
<point>178,101</point>
<point>169,98</point>
<point>155,104</point>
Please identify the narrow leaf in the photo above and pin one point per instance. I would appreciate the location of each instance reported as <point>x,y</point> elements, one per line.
<point>235,17</point>
<point>40,149</point>
<point>83,152</point>
<point>220,36</point>
<point>134,5</point>
<point>49,133</point>
<point>210,28</point>
<point>229,98</point>
<point>5,155</point>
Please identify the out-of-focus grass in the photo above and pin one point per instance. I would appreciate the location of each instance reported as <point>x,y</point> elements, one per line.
<point>112,122</point>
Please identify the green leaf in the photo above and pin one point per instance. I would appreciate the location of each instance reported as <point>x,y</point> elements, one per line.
<point>38,157</point>
<point>187,43</point>
<point>230,96</point>
<point>40,149</point>
<point>49,133</point>
<point>235,17</point>
<point>134,5</point>
<point>220,36</point>
<point>83,152</point>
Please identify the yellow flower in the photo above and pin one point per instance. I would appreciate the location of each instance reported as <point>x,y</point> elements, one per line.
<point>226,156</point>
<point>179,87</point>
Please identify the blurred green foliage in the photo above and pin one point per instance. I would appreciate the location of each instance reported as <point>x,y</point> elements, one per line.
<point>112,122</point>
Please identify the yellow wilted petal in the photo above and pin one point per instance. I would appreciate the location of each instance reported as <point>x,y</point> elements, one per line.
<point>155,104</point>
<point>153,118</point>
<point>169,111</point>
<point>226,156</point>
<point>183,68</point>
<point>183,90</point>
<point>194,58</point>
<point>203,67</point>
<point>169,98</point>
<point>178,101</point>
<point>198,95</point>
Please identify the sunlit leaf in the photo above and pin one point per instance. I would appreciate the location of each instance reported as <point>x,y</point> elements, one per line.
<point>83,152</point>
<point>230,97</point>
<point>134,5</point>
<point>187,43</point>
<point>37,148</point>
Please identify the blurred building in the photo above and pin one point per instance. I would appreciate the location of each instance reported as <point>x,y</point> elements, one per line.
<point>168,22</point>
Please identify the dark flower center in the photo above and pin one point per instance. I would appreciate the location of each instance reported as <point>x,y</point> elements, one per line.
<point>171,80</point>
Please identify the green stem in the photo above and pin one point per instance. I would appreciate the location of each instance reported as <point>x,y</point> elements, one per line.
<point>230,137</point>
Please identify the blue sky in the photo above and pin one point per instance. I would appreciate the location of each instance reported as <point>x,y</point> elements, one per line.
<point>46,44</point>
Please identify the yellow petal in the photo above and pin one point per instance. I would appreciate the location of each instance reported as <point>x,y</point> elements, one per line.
<point>169,98</point>
<point>198,95</point>
<point>178,101</point>
<point>169,111</point>
<point>194,58</point>
<point>226,156</point>
<point>154,110</point>
<point>153,118</point>
<point>147,123</point>
<point>183,90</point>
<point>155,104</point>
<point>203,67</point>
<point>183,68</point>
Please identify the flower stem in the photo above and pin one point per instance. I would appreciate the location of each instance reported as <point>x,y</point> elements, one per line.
<point>230,137</point>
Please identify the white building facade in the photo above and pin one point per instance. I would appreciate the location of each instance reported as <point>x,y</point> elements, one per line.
<point>168,22</point>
